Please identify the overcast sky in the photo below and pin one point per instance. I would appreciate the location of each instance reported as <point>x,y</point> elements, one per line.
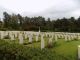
<point>46,8</point>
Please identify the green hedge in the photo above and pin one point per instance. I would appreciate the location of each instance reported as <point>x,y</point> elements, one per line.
<point>20,52</point>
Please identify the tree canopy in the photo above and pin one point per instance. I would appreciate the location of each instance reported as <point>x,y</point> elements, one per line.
<point>17,22</point>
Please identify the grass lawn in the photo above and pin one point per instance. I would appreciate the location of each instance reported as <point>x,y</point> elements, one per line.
<point>62,48</point>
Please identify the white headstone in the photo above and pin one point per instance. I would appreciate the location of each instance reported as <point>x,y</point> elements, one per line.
<point>25,35</point>
<point>42,41</point>
<point>39,29</point>
<point>56,37</point>
<point>65,37</point>
<point>16,35</point>
<point>69,37</point>
<point>37,37</point>
<point>79,37</point>
<point>20,38</point>
<point>78,52</point>
<point>12,37</point>
<point>30,38</point>
<point>2,34</point>
<point>50,41</point>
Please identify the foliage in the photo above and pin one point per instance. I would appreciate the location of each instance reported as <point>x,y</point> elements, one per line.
<point>20,52</point>
<point>6,37</point>
<point>17,22</point>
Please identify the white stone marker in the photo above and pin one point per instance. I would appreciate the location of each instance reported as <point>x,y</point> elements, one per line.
<point>37,36</point>
<point>50,41</point>
<point>42,41</point>
<point>56,37</point>
<point>25,35</point>
<point>78,52</point>
<point>12,37</point>
<point>39,30</point>
<point>69,38</point>
<point>30,38</point>
<point>49,35</point>
<point>20,38</point>
<point>65,37</point>
<point>52,36</point>
<point>79,37</point>
<point>2,34</point>
<point>15,34</point>
<point>72,37</point>
<point>6,33</point>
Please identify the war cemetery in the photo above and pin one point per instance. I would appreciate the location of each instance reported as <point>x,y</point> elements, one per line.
<point>39,29</point>
<point>39,45</point>
<point>24,38</point>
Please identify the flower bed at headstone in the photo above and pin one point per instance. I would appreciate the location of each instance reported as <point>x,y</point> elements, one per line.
<point>6,37</point>
<point>21,52</point>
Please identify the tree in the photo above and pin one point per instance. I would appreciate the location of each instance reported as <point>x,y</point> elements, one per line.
<point>20,21</point>
<point>72,25</point>
<point>49,24</point>
<point>7,20</point>
<point>14,22</point>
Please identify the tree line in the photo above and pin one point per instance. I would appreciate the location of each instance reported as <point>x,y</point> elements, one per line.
<point>17,22</point>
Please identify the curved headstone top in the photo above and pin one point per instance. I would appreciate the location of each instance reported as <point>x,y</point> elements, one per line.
<point>78,45</point>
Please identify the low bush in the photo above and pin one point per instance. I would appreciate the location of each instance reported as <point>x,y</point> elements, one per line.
<point>21,52</point>
<point>7,37</point>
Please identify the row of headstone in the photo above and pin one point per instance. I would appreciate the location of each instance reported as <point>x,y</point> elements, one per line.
<point>48,35</point>
<point>21,35</point>
<point>51,36</point>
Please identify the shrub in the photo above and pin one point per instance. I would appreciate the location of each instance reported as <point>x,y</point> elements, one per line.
<point>6,37</point>
<point>21,52</point>
<point>54,44</point>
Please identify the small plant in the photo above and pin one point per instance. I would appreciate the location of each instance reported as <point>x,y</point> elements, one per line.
<point>54,44</point>
<point>25,43</point>
<point>76,39</point>
<point>49,46</point>
<point>6,37</point>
